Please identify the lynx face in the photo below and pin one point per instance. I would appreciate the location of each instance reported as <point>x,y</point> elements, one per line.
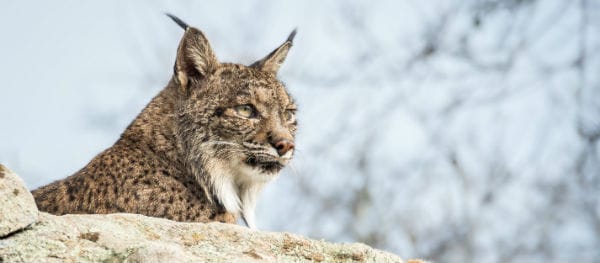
<point>245,118</point>
<point>235,121</point>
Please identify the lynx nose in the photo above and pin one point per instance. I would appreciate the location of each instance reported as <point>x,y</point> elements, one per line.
<point>283,146</point>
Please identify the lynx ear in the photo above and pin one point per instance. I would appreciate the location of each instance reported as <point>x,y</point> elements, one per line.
<point>273,61</point>
<point>195,57</point>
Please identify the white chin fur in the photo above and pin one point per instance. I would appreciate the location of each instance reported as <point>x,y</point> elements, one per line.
<point>237,186</point>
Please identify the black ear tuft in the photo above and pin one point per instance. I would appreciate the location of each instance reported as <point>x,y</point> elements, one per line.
<point>178,21</point>
<point>292,35</point>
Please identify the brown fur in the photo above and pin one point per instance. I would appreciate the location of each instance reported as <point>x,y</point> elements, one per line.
<point>169,162</point>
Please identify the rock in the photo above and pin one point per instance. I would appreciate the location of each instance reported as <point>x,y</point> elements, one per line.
<point>17,206</point>
<point>138,238</point>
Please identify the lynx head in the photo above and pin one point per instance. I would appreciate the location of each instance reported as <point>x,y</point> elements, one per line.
<point>237,122</point>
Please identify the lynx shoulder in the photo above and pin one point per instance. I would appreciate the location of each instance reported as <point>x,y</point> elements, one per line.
<point>200,151</point>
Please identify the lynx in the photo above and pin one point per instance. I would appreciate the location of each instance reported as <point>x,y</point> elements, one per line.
<point>200,151</point>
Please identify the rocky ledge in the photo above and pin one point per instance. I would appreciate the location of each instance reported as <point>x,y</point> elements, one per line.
<point>27,235</point>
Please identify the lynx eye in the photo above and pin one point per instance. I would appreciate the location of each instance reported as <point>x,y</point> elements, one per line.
<point>290,115</point>
<point>246,111</point>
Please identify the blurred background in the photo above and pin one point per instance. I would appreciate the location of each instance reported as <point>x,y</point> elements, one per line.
<point>452,130</point>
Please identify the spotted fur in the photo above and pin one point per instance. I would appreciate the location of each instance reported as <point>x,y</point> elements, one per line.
<point>200,151</point>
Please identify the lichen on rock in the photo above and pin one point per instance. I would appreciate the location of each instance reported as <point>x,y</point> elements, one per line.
<point>17,207</point>
<point>138,238</point>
